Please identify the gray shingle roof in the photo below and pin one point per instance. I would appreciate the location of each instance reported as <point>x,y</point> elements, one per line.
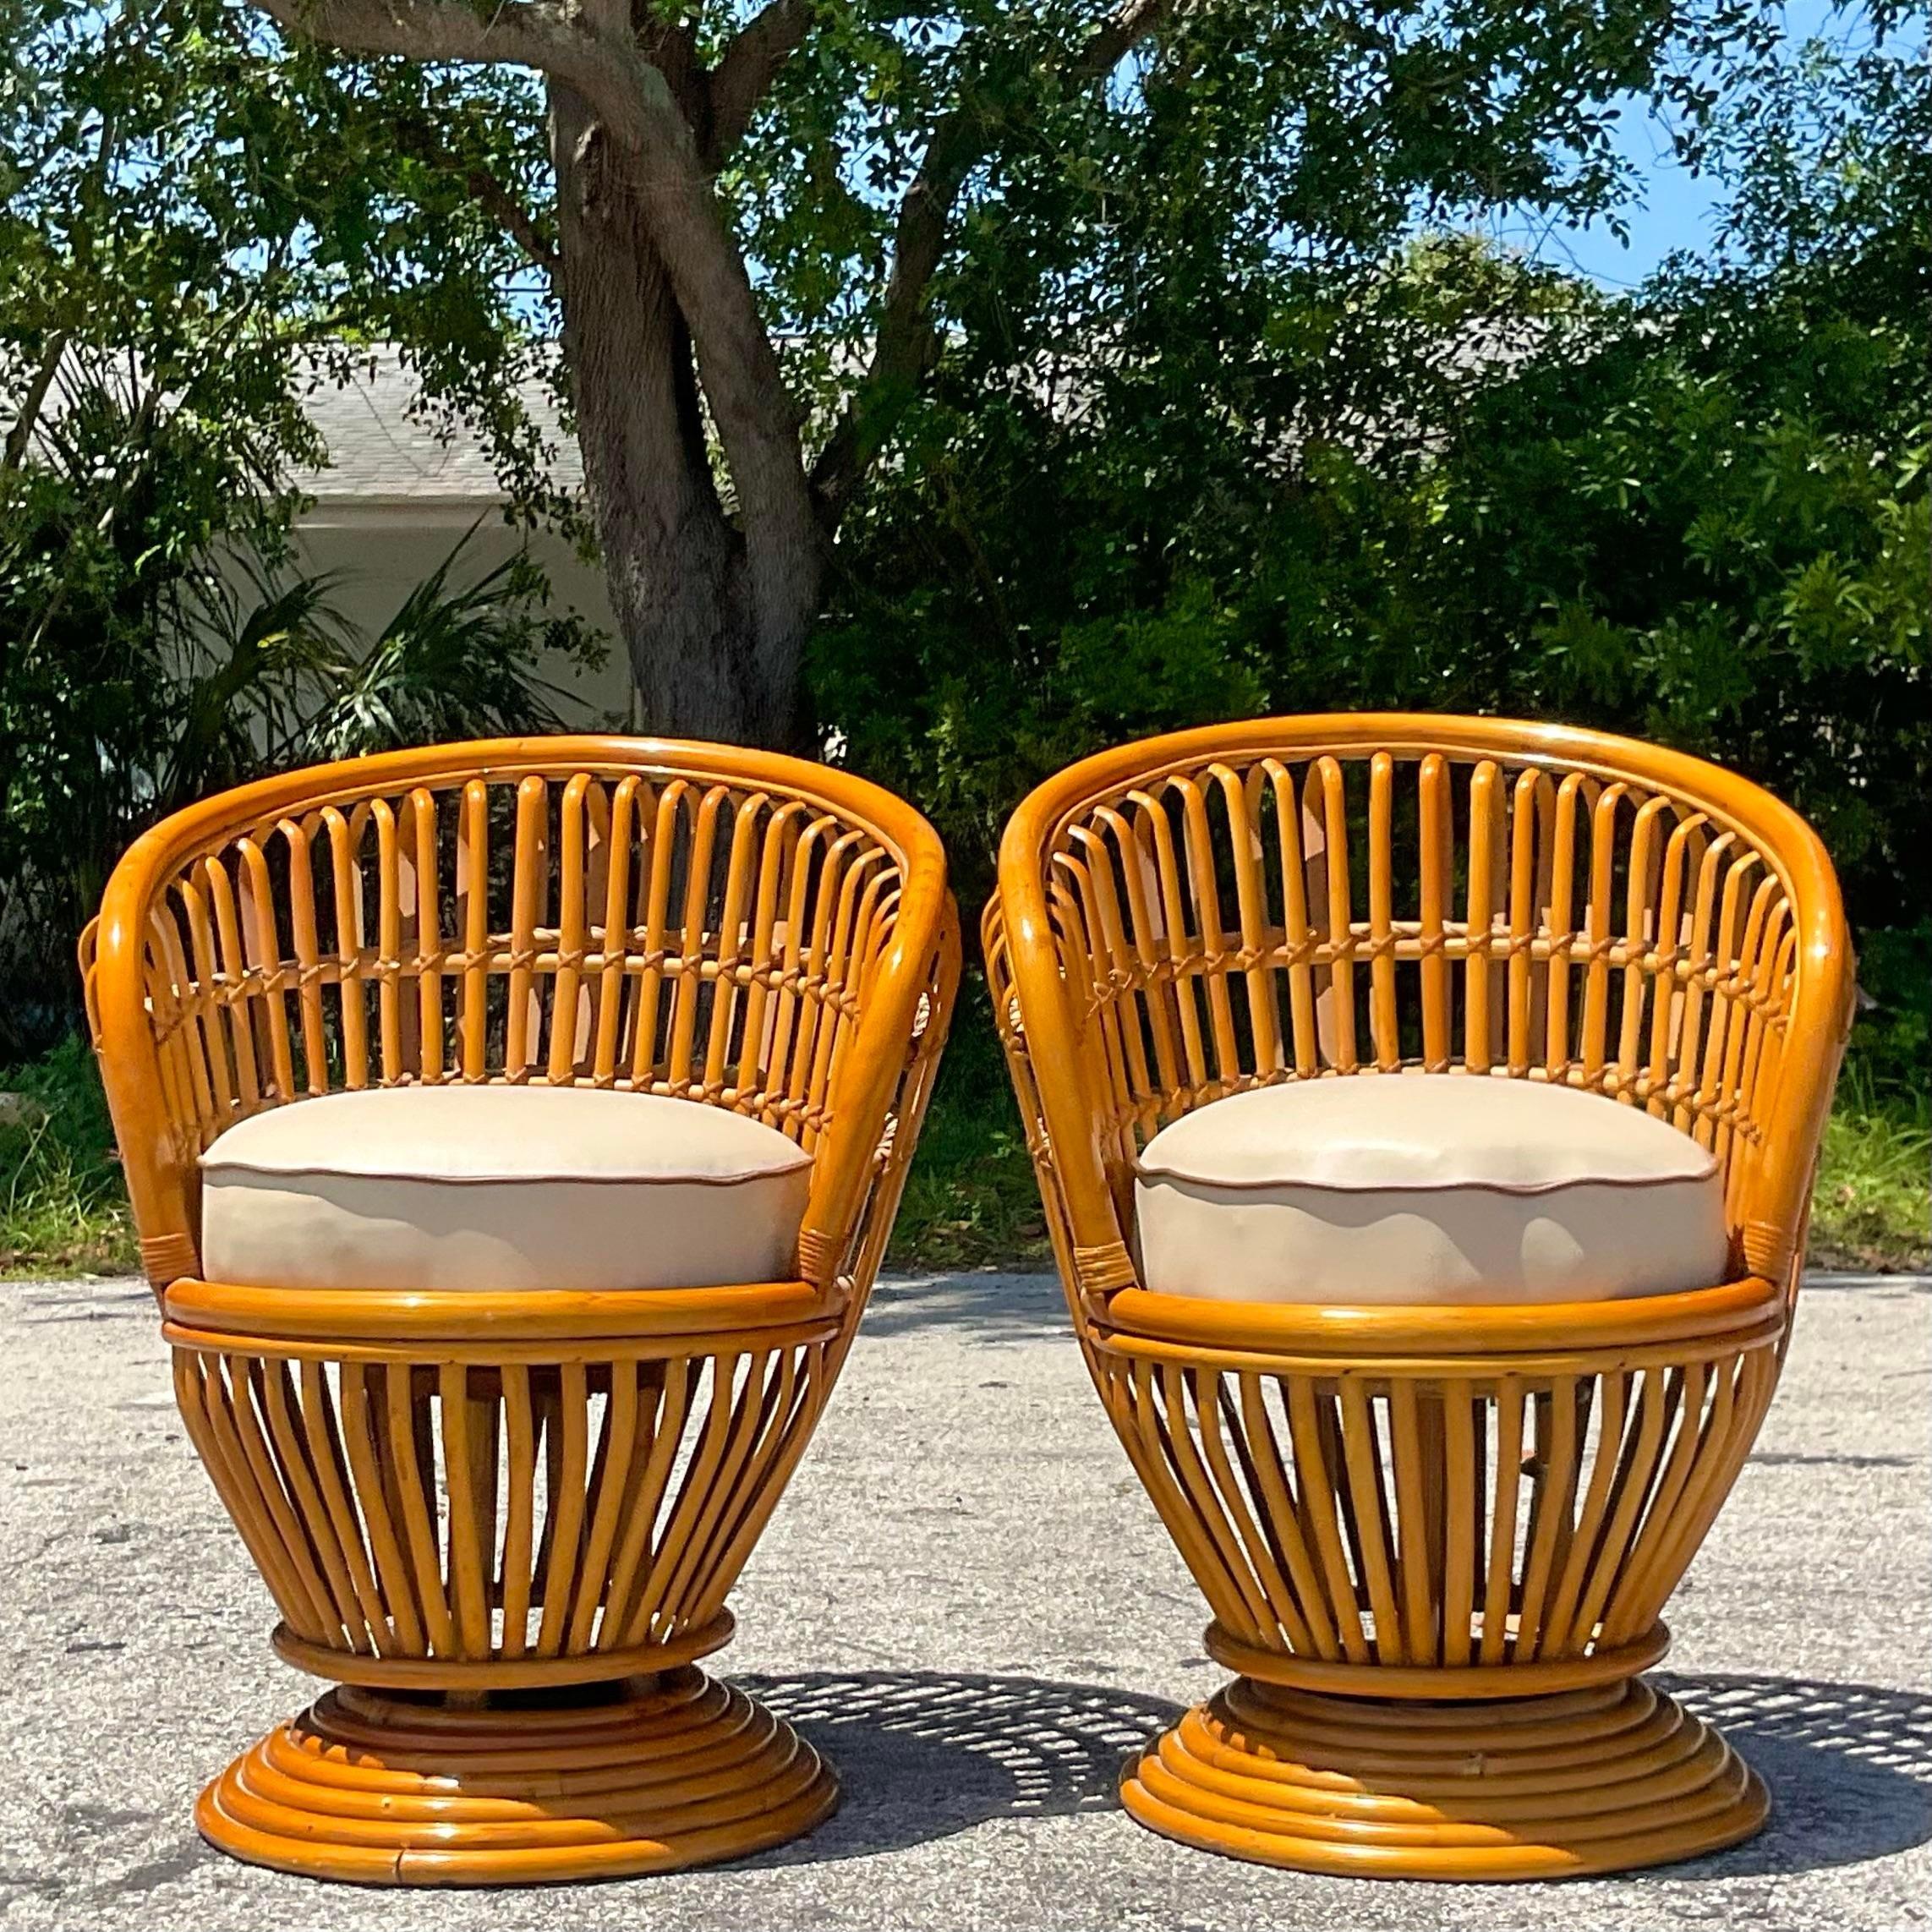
<point>382,447</point>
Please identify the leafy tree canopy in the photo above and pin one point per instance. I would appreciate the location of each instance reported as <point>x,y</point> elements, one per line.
<point>1130,393</point>
<point>786,209</point>
<point>1432,474</point>
<point>190,238</point>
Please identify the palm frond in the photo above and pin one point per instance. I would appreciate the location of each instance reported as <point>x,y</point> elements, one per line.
<point>458,660</point>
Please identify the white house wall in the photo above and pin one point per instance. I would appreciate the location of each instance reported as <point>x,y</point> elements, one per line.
<point>380,551</point>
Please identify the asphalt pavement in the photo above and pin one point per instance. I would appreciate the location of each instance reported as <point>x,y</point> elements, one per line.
<point>968,1605</point>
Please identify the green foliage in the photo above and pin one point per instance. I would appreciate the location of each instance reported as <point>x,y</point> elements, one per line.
<point>196,223</point>
<point>1706,532</point>
<point>61,1206</point>
<point>1157,206</point>
<point>972,1201</point>
<point>156,675</point>
<point>1890,1048</point>
<point>1872,1208</point>
<point>234,214</point>
<point>1436,477</point>
<point>457,660</point>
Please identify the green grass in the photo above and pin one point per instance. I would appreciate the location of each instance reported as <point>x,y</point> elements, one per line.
<point>1872,1205</point>
<point>971,1202</point>
<point>63,1208</point>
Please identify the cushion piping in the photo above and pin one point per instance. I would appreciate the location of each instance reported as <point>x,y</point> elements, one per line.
<point>230,1165</point>
<point>1279,1182</point>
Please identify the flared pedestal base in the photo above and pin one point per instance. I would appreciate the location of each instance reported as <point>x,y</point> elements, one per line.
<point>1592,1780</point>
<point>648,1775</point>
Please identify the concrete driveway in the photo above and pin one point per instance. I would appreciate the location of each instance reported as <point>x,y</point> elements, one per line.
<point>967,1602</point>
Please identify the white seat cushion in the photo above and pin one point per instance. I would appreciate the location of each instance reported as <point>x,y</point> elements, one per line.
<point>1374,1188</point>
<point>500,1187</point>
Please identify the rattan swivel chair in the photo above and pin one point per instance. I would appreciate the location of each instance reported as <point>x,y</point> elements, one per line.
<point>514,1130</point>
<point>1437,1532</point>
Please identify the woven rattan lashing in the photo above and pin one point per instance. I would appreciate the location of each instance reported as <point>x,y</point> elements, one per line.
<point>1430,1505</point>
<point>483,1493</point>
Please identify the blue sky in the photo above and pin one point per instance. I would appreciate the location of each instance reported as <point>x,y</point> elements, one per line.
<point>1674,209</point>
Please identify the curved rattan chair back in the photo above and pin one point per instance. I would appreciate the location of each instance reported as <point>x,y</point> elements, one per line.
<point>659,917</point>
<point>1293,897</point>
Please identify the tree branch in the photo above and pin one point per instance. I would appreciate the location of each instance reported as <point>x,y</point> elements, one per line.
<point>523,32</point>
<point>1114,41</point>
<point>515,220</point>
<point>421,142</point>
<point>747,66</point>
<point>591,55</point>
<point>627,92</point>
<point>905,345</point>
<point>20,433</point>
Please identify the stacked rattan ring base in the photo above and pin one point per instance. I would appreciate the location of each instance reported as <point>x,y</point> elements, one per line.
<point>602,1781</point>
<point>1438,1552</point>
<point>1590,1780</point>
<point>509,1553</point>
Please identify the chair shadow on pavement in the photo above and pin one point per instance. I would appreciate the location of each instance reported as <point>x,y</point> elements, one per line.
<point>921,1756</point>
<point>1849,1766</point>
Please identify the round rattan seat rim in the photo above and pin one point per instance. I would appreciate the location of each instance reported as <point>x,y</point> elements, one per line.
<point>201,1313</point>
<point>1734,1311</point>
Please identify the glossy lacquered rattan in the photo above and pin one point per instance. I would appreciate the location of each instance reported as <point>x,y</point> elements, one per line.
<point>1411,1523</point>
<point>511,1520</point>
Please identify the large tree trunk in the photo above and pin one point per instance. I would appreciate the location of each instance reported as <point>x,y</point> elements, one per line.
<point>657,299</point>
<point>714,613</point>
